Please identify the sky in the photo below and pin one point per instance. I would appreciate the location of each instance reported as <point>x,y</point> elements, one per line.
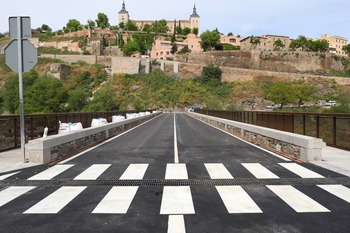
<point>311,18</point>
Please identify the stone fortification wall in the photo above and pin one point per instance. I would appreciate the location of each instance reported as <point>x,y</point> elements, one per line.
<point>230,74</point>
<point>90,59</point>
<point>237,59</point>
<point>126,65</point>
<point>276,61</point>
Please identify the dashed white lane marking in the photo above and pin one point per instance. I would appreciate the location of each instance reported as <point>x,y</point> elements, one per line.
<point>176,224</point>
<point>177,200</point>
<point>93,172</point>
<point>134,172</point>
<point>50,173</point>
<point>176,150</point>
<point>56,201</point>
<point>218,171</point>
<point>176,171</point>
<point>3,177</point>
<point>236,200</point>
<point>300,202</point>
<point>259,171</point>
<point>117,201</point>
<point>300,170</point>
<point>12,193</point>
<point>337,190</point>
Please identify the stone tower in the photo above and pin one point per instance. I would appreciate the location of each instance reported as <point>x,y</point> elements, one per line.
<point>195,19</point>
<point>123,15</point>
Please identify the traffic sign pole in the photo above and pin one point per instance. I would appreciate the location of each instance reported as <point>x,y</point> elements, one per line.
<point>20,76</point>
<point>20,57</point>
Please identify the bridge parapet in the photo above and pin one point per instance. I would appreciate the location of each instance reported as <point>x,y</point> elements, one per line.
<point>58,147</point>
<point>293,145</point>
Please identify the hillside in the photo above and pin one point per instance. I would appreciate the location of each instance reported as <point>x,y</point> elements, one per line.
<point>84,88</point>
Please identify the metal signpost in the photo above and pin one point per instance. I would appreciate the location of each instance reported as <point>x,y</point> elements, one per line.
<point>20,56</point>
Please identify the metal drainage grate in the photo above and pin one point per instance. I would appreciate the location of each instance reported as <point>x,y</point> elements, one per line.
<point>189,182</point>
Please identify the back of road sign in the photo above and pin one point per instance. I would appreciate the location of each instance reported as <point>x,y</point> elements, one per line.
<point>26,30</point>
<point>29,53</point>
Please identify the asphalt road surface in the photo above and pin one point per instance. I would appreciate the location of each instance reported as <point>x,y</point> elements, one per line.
<point>175,174</point>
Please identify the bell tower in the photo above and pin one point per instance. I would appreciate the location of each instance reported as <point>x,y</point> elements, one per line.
<point>123,15</point>
<point>195,19</point>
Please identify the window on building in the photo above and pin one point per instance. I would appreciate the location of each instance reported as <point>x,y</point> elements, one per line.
<point>232,40</point>
<point>167,53</point>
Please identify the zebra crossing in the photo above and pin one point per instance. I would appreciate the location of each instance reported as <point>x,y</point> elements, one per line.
<point>176,200</point>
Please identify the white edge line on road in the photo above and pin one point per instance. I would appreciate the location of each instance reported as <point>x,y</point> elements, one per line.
<point>176,151</point>
<point>102,143</point>
<point>270,152</point>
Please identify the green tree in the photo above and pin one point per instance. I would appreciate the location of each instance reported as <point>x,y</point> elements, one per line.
<point>281,93</point>
<point>318,46</point>
<point>300,42</point>
<point>304,93</point>
<point>195,31</point>
<point>211,73</point>
<point>90,24</point>
<point>178,29</point>
<point>103,100</point>
<point>230,34</point>
<point>1,35</point>
<point>45,28</point>
<point>209,40</point>
<point>346,49</point>
<point>174,47</point>
<point>131,47</point>
<point>254,41</point>
<point>184,50</point>
<point>160,26</point>
<point>187,31</point>
<point>46,95</point>
<point>73,25</point>
<point>147,28</point>
<point>278,44</point>
<point>10,90</point>
<point>77,100</point>
<point>102,21</point>
<point>131,26</point>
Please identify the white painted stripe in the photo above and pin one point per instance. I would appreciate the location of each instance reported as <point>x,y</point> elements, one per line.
<point>338,190</point>
<point>3,177</point>
<point>50,173</point>
<point>177,200</point>
<point>259,171</point>
<point>296,199</point>
<point>176,224</point>
<point>218,171</point>
<point>134,172</point>
<point>12,193</point>
<point>176,150</point>
<point>93,172</point>
<point>117,201</point>
<point>300,170</point>
<point>237,200</point>
<point>176,171</point>
<point>56,201</point>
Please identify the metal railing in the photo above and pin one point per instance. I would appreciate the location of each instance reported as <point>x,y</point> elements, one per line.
<point>36,123</point>
<point>334,129</point>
